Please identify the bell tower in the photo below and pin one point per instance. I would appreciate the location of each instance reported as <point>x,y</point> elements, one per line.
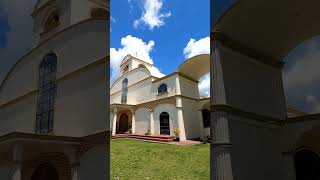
<point>53,16</point>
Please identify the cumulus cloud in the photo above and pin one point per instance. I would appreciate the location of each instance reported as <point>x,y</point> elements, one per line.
<point>204,85</point>
<point>137,48</point>
<point>314,102</point>
<point>19,37</point>
<point>151,15</point>
<point>301,76</point>
<point>193,48</point>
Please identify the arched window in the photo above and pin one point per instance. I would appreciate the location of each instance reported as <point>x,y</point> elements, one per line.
<point>124,91</point>
<point>162,89</point>
<point>99,13</point>
<point>52,22</point>
<point>206,118</point>
<point>141,66</point>
<point>46,94</point>
<point>126,68</point>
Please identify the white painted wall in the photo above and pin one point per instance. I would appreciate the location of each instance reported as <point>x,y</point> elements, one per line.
<point>142,118</point>
<point>93,164</point>
<point>189,88</point>
<point>191,119</point>
<point>171,110</point>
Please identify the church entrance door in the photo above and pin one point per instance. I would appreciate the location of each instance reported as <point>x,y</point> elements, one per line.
<point>45,171</point>
<point>164,123</point>
<point>123,123</point>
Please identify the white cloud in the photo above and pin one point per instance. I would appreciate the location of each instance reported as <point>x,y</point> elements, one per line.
<point>193,48</point>
<point>202,46</point>
<point>204,85</point>
<point>314,102</point>
<point>19,37</point>
<point>137,48</point>
<point>151,15</point>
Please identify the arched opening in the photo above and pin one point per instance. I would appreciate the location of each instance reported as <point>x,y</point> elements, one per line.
<point>45,171</point>
<point>52,21</point>
<point>47,88</point>
<point>164,123</point>
<point>123,123</point>
<point>206,118</point>
<point>142,66</point>
<point>99,13</point>
<point>307,165</point>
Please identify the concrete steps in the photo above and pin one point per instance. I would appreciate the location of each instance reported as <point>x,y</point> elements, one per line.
<point>158,138</point>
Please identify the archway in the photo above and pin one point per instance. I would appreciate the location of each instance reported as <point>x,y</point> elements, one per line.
<point>206,118</point>
<point>307,165</point>
<point>123,123</point>
<point>45,171</point>
<point>164,123</point>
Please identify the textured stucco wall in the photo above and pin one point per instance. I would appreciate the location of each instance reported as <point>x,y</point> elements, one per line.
<point>142,118</point>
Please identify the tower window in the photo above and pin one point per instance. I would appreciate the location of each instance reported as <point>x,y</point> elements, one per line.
<point>124,91</point>
<point>162,89</point>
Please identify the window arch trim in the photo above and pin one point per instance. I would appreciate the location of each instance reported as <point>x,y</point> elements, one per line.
<point>162,88</point>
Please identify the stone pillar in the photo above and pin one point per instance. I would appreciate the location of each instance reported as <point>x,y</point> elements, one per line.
<point>75,171</point>
<point>17,161</point>
<point>114,123</point>
<point>151,123</point>
<point>202,132</point>
<point>133,124</point>
<point>221,167</point>
<point>288,165</point>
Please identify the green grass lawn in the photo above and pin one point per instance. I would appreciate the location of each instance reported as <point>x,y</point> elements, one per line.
<point>132,159</point>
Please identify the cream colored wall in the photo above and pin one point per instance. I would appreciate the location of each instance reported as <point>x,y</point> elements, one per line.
<point>191,119</point>
<point>171,110</point>
<point>75,48</point>
<point>19,117</point>
<point>142,118</point>
<point>189,88</point>
<point>80,107</point>
<point>253,86</point>
<point>93,164</point>
<point>259,147</point>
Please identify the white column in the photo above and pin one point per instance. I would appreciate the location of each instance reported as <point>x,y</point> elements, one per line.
<point>180,120</point>
<point>17,161</point>
<point>201,123</point>
<point>221,167</point>
<point>133,128</point>
<point>114,123</point>
<point>288,166</point>
<point>75,172</point>
<point>151,123</point>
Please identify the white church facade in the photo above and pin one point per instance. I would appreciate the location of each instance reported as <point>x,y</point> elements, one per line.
<point>143,103</point>
<point>52,117</point>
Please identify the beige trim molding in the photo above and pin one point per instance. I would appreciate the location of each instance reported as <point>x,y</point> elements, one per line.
<point>304,118</point>
<point>238,112</point>
<point>238,47</point>
<point>36,11</point>
<point>176,73</point>
<point>83,69</point>
<point>18,99</point>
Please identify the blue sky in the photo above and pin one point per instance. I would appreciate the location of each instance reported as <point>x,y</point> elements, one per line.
<point>182,21</point>
<point>4,28</point>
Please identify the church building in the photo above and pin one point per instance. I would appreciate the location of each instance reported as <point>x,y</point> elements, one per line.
<point>52,117</point>
<point>143,103</point>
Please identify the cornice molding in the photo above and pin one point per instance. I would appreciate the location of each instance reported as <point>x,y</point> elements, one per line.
<point>241,48</point>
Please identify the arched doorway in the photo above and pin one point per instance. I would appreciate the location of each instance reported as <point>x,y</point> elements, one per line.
<point>123,123</point>
<point>164,123</point>
<point>307,164</point>
<point>45,171</point>
<point>206,118</point>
